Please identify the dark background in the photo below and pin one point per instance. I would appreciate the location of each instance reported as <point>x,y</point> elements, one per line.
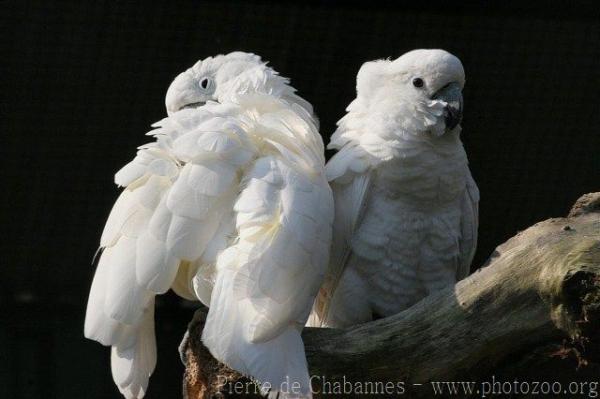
<point>81,84</point>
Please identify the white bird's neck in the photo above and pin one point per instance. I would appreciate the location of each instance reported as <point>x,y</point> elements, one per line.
<point>292,129</point>
<point>414,168</point>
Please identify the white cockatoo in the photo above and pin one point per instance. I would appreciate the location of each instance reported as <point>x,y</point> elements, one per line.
<point>406,206</point>
<point>230,205</point>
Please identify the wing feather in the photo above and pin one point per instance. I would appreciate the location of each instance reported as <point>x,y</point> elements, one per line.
<point>267,281</point>
<point>98,325</point>
<point>125,299</point>
<point>350,175</point>
<point>155,266</point>
<point>175,202</point>
<point>469,226</point>
<point>254,232</point>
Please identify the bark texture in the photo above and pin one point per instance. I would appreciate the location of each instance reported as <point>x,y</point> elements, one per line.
<point>531,313</point>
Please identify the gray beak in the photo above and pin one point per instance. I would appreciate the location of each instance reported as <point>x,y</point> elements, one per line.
<point>183,93</point>
<point>451,94</point>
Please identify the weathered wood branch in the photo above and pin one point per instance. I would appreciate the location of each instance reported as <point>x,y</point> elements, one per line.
<point>533,310</point>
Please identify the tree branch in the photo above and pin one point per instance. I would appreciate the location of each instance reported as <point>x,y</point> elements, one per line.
<point>533,308</point>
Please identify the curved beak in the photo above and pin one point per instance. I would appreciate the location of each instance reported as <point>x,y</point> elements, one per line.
<point>182,93</point>
<point>451,94</point>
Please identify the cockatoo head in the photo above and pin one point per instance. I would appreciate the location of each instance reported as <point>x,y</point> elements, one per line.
<point>223,78</point>
<point>423,86</point>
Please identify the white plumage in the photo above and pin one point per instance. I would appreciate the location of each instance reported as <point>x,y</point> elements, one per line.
<point>405,203</point>
<point>229,205</point>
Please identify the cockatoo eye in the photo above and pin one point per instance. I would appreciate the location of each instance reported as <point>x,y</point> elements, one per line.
<point>418,82</point>
<point>206,84</point>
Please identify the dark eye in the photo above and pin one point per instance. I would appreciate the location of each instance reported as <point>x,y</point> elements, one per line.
<point>418,82</point>
<point>205,83</point>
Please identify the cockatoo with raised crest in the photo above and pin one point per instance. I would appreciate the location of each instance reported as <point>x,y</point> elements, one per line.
<point>406,205</point>
<point>229,205</point>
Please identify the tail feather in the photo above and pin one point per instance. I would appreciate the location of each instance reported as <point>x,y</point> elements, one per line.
<point>279,364</point>
<point>132,366</point>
